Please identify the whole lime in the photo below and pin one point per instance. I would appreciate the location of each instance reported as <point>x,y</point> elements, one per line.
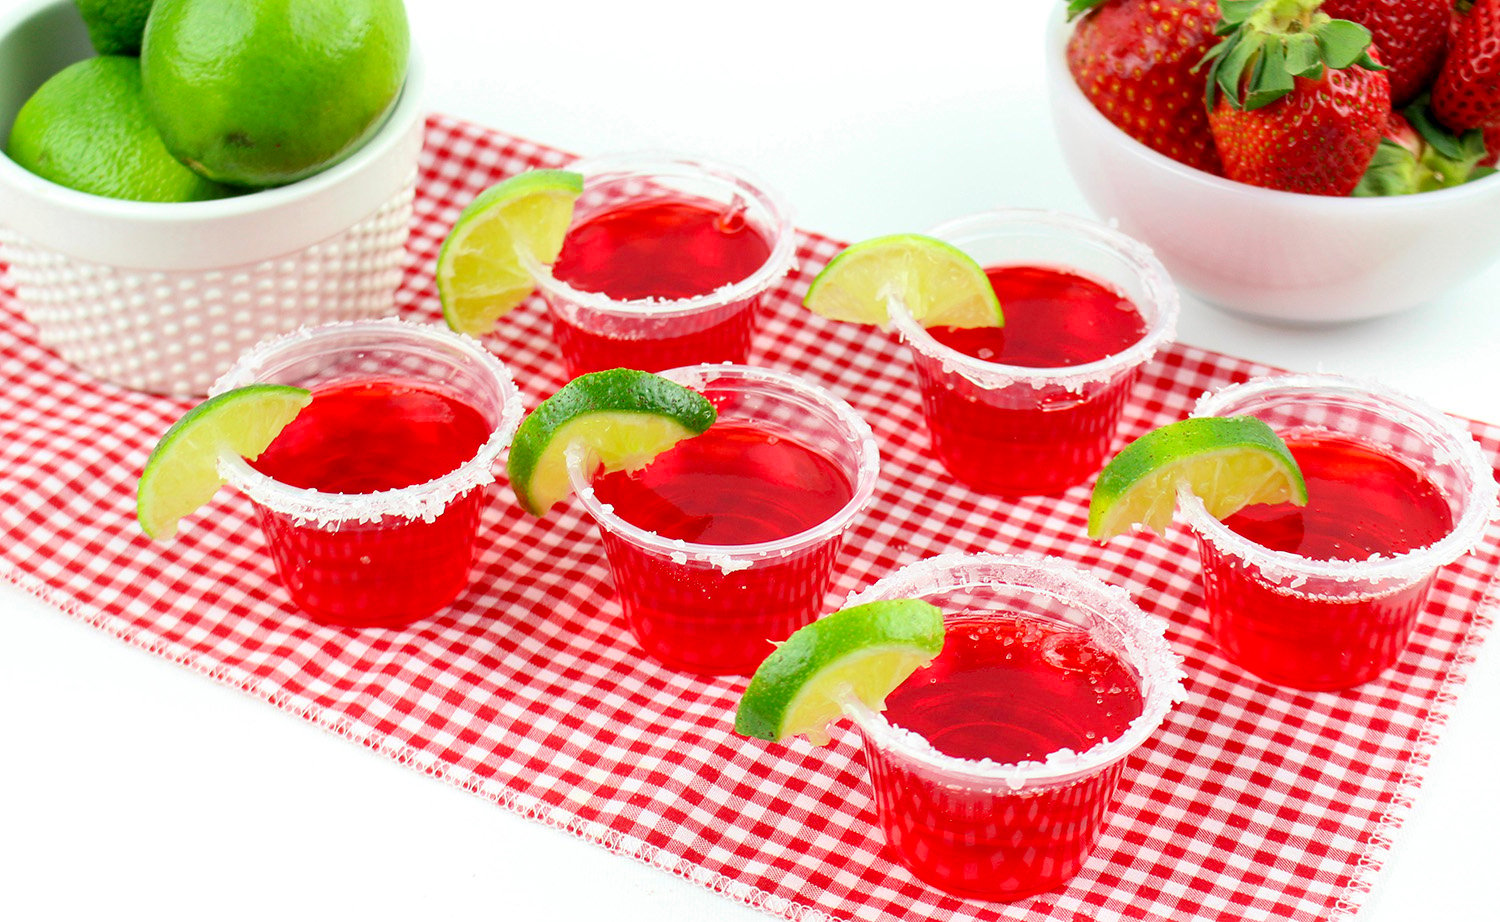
<point>115,26</point>
<point>87,128</point>
<point>266,92</point>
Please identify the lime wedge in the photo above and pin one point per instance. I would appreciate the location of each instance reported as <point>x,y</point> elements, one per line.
<point>622,418</point>
<point>940,284</point>
<point>182,472</point>
<point>1229,462</point>
<point>864,651</point>
<point>480,274</point>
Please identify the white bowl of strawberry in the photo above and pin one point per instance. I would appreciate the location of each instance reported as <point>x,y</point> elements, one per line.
<point>1336,171</point>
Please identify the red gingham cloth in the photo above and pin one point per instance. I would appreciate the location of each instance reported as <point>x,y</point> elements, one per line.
<point>1251,802</point>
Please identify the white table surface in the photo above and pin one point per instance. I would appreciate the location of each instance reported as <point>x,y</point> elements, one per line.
<point>131,786</point>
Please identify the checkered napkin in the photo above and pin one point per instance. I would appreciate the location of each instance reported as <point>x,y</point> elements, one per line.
<point>1251,802</point>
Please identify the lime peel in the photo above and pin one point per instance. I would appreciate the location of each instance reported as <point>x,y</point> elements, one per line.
<point>864,652</point>
<point>939,284</point>
<point>182,472</point>
<point>1227,462</point>
<point>618,419</point>
<point>482,269</point>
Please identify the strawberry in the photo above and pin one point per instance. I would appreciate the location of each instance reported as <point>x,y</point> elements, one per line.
<point>1467,92</point>
<point>1296,100</point>
<point>1134,60</point>
<point>1491,145</point>
<point>1412,36</point>
<point>1419,155</point>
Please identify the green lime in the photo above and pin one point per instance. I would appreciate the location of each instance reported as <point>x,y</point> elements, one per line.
<point>940,284</point>
<point>864,651</point>
<point>480,275</point>
<point>86,128</point>
<point>115,26</point>
<point>621,418</point>
<point>1228,462</point>
<point>183,471</point>
<point>266,92</point>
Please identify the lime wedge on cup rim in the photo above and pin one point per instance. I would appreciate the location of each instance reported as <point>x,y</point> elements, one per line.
<point>182,472</point>
<point>939,284</point>
<point>480,273</point>
<point>1228,463</point>
<point>864,651</point>
<point>622,418</point>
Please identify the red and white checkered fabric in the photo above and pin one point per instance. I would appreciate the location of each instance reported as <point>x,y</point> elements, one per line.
<point>1251,802</point>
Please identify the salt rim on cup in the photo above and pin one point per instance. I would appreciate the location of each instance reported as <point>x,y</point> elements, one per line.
<point>1400,569</point>
<point>1144,637</point>
<point>425,501</point>
<point>648,164</point>
<point>1156,283</point>
<point>731,558</point>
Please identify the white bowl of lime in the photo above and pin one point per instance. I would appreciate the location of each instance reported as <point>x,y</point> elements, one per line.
<point>163,296</point>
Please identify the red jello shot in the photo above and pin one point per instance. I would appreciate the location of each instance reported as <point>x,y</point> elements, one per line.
<point>1031,408</point>
<point>726,543</point>
<point>370,499</point>
<point>1326,596</point>
<point>995,768</point>
<point>666,264</point>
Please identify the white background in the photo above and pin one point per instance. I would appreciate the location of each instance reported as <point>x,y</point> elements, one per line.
<point>129,786</point>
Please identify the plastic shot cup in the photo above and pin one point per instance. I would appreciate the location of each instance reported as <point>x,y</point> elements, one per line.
<point>990,830</point>
<point>716,608</point>
<point>1313,623</point>
<point>390,556</point>
<point>1016,430</point>
<point>666,264</point>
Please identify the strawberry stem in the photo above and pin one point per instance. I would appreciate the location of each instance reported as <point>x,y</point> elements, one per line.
<point>1265,44</point>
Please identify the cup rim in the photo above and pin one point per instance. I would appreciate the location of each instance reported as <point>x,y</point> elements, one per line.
<point>1467,532</point>
<point>779,262</point>
<point>731,557</point>
<point>1157,282</point>
<point>417,501</point>
<point>1161,672</point>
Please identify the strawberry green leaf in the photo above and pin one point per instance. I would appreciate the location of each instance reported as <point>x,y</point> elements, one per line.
<point>1343,43</point>
<point>1302,56</point>
<point>1081,6</point>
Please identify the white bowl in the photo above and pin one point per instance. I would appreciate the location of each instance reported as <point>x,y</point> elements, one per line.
<point>1279,255</point>
<point>163,296</point>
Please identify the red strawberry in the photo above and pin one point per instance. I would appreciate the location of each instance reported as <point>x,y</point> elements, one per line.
<point>1303,102</point>
<point>1412,36</point>
<point>1134,60</point>
<point>1467,92</point>
<point>1491,145</point>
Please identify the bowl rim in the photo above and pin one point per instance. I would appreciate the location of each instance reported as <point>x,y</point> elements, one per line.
<point>1065,92</point>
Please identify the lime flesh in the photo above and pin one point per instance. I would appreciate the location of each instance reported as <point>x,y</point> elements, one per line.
<point>480,274</point>
<point>865,651</point>
<point>621,418</point>
<point>939,284</point>
<point>1228,463</point>
<point>182,473</point>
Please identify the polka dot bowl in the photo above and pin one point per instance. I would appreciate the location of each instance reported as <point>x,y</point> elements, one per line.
<point>163,297</point>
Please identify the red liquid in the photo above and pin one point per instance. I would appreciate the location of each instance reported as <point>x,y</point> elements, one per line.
<point>1361,502</point>
<point>1021,441</point>
<point>736,484</point>
<point>667,249</point>
<point>362,437</point>
<point>1007,688</point>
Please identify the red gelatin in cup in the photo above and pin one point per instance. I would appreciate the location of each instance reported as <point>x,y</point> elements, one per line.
<point>668,249</point>
<point>1037,441</point>
<point>366,436</point>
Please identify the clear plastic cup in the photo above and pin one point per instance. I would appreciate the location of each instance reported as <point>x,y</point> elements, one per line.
<point>994,831</point>
<point>1014,430</point>
<point>389,557</point>
<point>595,331</point>
<point>716,609</point>
<point>1327,624</point>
